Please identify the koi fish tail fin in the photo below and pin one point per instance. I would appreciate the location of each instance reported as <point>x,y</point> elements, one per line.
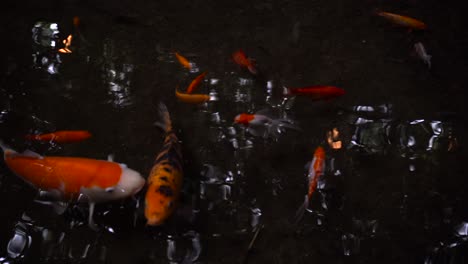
<point>301,210</point>
<point>165,124</point>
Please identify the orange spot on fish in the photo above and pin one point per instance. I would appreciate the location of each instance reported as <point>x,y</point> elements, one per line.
<point>244,118</point>
<point>67,174</point>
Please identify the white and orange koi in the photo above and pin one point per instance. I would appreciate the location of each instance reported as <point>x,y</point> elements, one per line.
<point>315,171</point>
<point>74,178</point>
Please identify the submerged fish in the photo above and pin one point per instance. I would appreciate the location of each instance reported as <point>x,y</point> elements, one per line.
<point>76,179</point>
<point>260,124</point>
<point>317,92</point>
<point>183,61</point>
<point>62,136</point>
<point>195,82</point>
<point>241,59</point>
<point>192,98</point>
<point>421,51</point>
<point>166,176</point>
<point>315,171</point>
<point>403,21</point>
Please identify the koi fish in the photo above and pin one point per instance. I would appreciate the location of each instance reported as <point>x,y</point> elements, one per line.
<point>192,98</point>
<point>64,136</point>
<point>183,61</point>
<point>195,82</point>
<point>421,51</point>
<point>403,21</point>
<point>260,124</point>
<point>318,92</point>
<point>166,176</point>
<point>315,171</point>
<point>74,178</point>
<point>241,59</point>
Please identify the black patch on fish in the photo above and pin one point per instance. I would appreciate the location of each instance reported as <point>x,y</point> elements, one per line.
<point>165,190</point>
<point>164,178</point>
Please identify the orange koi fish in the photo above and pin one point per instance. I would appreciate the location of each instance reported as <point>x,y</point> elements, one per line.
<point>260,124</point>
<point>315,171</point>
<point>195,82</point>
<point>64,136</point>
<point>166,176</point>
<point>183,61</point>
<point>403,21</point>
<point>192,98</point>
<point>241,59</point>
<point>317,92</point>
<point>76,179</point>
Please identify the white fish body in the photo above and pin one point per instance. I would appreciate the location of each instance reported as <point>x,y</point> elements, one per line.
<point>421,51</point>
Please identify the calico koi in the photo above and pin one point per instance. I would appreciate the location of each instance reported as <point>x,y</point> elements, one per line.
<point>166,176</point>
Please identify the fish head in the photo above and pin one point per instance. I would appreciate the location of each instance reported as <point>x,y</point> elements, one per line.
<point>159,204</point>
<point>129,184</point>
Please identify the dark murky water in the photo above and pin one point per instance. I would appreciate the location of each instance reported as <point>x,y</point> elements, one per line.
<point>395,192</point>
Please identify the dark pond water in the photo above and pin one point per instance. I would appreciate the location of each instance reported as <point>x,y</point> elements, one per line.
<point>394,193</point>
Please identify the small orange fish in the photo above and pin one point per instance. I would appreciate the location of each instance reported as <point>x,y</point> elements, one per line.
<point>63,136</point>
<point>192,98</point>
<point>195,82</point>
<point>315,171</point>
<point>166,176</point>
<point>183,61</point>
<point>403,21</point>
<point>241,59</point>
<point>95,181</point>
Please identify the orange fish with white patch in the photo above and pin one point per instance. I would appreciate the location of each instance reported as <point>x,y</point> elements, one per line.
<point>241,59</point>
<point>403,21</point>
<point>74,178</point>
<point>166,176</point>
<point>62,136</point>
<point>315,171</point>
